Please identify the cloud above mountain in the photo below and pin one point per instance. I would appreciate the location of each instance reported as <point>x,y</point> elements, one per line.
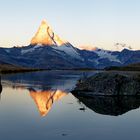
<point>87,47</point>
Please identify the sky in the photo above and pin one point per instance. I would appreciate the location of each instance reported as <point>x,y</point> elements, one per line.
<point>98,23</point>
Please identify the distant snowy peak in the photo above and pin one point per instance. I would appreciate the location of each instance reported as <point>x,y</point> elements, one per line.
<point>104,54</point>
<point>46,36</point>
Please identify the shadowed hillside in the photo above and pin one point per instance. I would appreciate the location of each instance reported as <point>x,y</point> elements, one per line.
<point>131,67</point>
<point>10,68</point>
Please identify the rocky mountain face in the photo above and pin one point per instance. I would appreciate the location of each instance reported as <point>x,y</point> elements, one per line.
<point>48,51</point>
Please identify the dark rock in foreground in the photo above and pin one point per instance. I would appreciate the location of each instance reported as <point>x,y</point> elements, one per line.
<point>111,84</point>
<point>0,85</point>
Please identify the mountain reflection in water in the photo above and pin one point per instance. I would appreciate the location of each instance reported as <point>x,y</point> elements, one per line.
<point>45,99</point>
<point>45,88</point>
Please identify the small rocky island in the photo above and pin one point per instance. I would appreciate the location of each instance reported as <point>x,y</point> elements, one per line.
<point>109,84</point>
<point>109,93</point>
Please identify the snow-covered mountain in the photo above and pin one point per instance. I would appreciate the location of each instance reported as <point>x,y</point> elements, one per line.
<point>48,51</point>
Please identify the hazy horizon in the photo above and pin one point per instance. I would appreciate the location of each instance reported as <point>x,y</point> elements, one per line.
<point>95,23</point>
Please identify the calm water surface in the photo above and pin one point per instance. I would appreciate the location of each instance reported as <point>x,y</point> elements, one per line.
<point>40,105</point>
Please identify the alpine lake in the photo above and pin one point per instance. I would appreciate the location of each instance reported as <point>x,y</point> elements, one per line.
<point>41,105</point>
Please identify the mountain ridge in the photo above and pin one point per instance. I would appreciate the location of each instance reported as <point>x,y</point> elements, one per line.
<point>48,51</point>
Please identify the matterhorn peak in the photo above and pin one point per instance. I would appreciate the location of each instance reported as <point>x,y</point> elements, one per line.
<point>44,21</point>
<point>46,36</point>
